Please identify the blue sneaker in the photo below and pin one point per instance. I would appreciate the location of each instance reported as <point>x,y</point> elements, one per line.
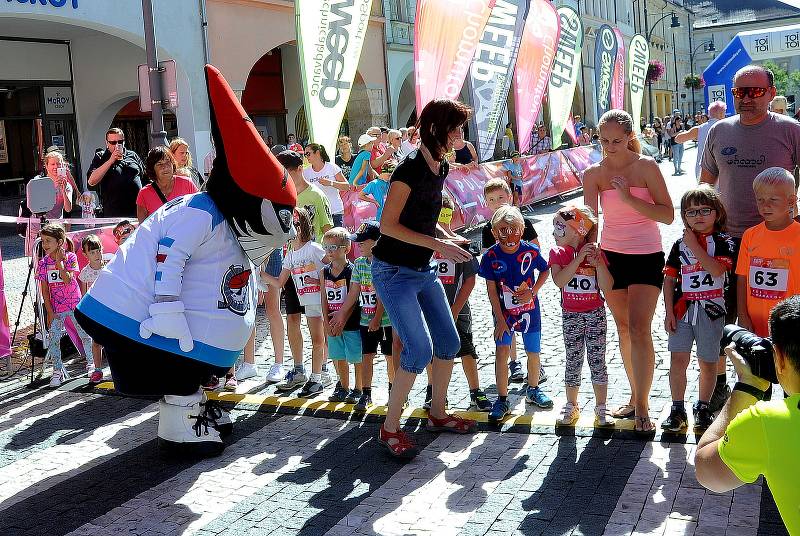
<point>499,410</point>
<point>515,372</point>
<point>534,395</point>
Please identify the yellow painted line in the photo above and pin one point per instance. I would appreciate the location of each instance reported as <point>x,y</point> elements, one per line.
<point>539,418</point>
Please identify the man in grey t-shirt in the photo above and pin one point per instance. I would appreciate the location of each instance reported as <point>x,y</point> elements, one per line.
<point>740,147</point>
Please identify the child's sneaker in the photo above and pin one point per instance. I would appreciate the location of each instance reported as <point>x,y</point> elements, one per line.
<point>515,372</point>
<point>479,402</point>
<point>703,418</point>
<point>293,378</point>
<point>96,376</point>
<point>58,378</point>
<point>569,415</point>
<point>275,373</point>
<point>353,396</point>
<point>535,396</point>
<point>310,389</point>
<point>363,403</point>
<point>245,371</point>
<point>602,417</point>
<point>499,410</point>
<point>230,383</point>
<point>339,394</point>
<point>677,420</point>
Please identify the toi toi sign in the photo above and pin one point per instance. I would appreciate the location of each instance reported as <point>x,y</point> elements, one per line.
<point>54,3</point>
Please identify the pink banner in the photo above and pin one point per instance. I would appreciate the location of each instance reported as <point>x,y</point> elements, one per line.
<point>544,176</point>
<point>535,58</point>
<point>446,33</point>
<point>618,80</point>
<point>5,333</point>
<point>570,130</point>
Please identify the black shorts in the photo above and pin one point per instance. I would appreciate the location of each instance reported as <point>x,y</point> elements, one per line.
<point>142,370</point>
<point>371,339</point>
<point>464,329</point>
<point>293,306</point>
<point>629,269</point>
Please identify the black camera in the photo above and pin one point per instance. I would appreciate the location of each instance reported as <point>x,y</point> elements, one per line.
<point>757,351</point>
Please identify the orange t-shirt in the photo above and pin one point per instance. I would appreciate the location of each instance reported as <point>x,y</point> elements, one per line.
<point>770,262</point>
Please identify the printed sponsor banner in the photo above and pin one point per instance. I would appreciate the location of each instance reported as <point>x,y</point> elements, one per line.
<point>638,59</point>
<point>491,70</point>
<point>564,76</point>
<point>570,130</point>
<point>329,40</point>
<point>618,83</point>
<point>534,61</point>
<point>605,56</point>
<point>443,51</point>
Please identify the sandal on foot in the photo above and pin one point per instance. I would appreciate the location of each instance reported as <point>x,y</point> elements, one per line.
<point>625,411</point>
<point>398,444</point>
<point>451,423</point>
<point>644,426</point>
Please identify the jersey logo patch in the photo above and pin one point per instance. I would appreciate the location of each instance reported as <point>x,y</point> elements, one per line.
<point>234,285</point>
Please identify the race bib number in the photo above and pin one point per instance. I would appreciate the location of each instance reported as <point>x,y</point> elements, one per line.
<point>368,300</point>
<point>335,292</point>
<point>513,305</point>
<point>582,288</point>
<point>768,278</point>
<point>697,284</point>
<point>54,276</point>
<point>306,279</point>
<point>446,270</point>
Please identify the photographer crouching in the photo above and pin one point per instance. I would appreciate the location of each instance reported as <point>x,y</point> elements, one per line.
<point>753,437</point>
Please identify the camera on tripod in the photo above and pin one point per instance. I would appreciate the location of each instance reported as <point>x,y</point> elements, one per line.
<point>757,351</point>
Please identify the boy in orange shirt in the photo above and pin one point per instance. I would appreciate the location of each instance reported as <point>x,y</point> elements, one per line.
<point>769,257</point>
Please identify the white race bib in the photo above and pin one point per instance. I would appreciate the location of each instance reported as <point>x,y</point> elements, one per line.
<point>335,293</point>
<point>369,300</point>
<point>306,279</point>
<point>698,284</point>
<point>512,304</point>
<point>54,276</point>
<point>445,269</point>
<point>768,278</point>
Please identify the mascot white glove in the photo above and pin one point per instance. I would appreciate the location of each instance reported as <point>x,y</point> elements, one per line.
<point>167,319</point>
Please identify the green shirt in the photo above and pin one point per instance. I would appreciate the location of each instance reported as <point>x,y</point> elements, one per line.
<point>362,274</point>
<point>764,439</point>
<point>316,203</point>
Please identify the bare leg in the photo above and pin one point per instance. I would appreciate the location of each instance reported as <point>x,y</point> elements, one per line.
<point>295,338</point>
<point>470,366</point>
<point>358,371</point>
<point>708,378</point>
<point>501,369</point>
<point>250,348</point>
<point>641,307</point>
<point>343,372</point>
<point>366,369</point>
<point>401,386</point>
<point>679,362</point>
<point>442,370</point>
<point>318,346</point>
<point>618,303</point>
<point>272,306</point>
<point>533,368</point>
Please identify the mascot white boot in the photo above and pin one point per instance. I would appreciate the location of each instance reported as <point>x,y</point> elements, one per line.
<point>177,304</point>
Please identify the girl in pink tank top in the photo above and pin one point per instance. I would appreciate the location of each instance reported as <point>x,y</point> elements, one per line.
<point>633,196</point>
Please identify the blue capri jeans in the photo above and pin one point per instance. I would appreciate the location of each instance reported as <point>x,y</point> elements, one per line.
<point>417,307</point>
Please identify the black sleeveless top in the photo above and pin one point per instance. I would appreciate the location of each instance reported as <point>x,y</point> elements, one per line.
<point>463,156</point>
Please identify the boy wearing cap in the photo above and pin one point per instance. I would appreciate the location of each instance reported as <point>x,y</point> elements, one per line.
<point>375,327</point>
<point>362,171</point>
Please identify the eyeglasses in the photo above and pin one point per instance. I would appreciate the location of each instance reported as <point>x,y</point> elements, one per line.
<point>692,213</point>
<point>752,92</point>
<point>330,248</point>
<point>124,231</point>
<point>114,142</point>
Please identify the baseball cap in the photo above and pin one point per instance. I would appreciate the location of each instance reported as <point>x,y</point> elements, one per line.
<point>368,230</point>
<point>365,139</point>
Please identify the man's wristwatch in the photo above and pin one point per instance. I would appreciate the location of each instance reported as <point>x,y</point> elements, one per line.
<point>749,389</point>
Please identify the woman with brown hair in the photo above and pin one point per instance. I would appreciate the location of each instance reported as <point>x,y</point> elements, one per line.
<point>161,167</point>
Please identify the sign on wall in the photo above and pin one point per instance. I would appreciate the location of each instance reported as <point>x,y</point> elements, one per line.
<point>58,101</point>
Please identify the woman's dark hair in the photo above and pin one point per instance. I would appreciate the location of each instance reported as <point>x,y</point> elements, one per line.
<point>784,322</point>
<point>290,159</point>
<point>316,147</point>
<point>156,155</point>
<point>437,119</point>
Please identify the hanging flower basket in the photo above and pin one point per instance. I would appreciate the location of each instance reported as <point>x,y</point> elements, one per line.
<point>694,82</point>
<point>655,71</point>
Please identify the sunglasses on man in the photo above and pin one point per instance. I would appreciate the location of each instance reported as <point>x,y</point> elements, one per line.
<point>752,92</point>
<point>115,142</point>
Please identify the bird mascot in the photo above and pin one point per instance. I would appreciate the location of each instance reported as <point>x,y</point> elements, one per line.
<point>177,303</point>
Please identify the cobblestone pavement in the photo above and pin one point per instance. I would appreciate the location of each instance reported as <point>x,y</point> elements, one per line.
<point>76,462</point>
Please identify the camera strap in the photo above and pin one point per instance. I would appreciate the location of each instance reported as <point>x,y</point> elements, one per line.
<point>750,390</point>
<point>159,192</point>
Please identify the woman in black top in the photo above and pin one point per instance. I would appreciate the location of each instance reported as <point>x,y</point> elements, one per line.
<point>406,281</point>
<point>464,153</point>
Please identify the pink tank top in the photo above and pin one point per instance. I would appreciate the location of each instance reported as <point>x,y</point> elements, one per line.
<point>624,229</point>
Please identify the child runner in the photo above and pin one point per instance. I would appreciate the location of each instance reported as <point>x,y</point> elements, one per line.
<point>458,280</point>
<point>769,257</point>
<point>497,193</point>
<point>60,293</point>
<point>377,189</point>
<point>303,263</point>
<point>508,268</point>
<point>580,271</point>
<point>375,327</point>
<point>93,249</point>
<point>341,315</point>
<point>694,297</point>
<point>514,175</point>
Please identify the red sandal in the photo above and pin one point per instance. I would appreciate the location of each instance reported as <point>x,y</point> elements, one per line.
<point>452,423</point>
<point>402,448</point>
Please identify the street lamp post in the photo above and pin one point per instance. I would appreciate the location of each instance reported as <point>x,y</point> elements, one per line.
<point>675,23</point>
<point>708,47</point>
<point>157,135</point>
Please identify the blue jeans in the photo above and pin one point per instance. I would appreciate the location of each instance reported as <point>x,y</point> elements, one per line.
<point>419,312</point>
<point>677,156</point>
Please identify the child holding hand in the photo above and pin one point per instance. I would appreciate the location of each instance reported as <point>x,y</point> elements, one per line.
<point>580,271</point>
<point>93,250</point>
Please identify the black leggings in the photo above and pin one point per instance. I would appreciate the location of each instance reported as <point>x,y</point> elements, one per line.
<point>139,369</point>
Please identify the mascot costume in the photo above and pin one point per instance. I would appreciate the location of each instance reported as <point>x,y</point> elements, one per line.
<point>178,302</point>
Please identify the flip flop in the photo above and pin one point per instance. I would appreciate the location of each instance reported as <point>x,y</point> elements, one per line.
<point>625,411</point>
<point>644,426</point>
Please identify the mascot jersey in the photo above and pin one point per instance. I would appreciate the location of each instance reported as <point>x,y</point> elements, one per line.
<point>217,288</point>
